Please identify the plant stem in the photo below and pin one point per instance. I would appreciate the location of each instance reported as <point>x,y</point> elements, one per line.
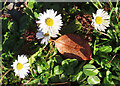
<point>94,4</point>
<point>111,11</point>
<point>4,75</point>
<point>100,4</point>
<point>112,58</point>
<point>60,83</point>
<point>83,79</point>
<point>97,68</point>
<point>102,33</point>
<point>117,3</point>
<point>111,5</point>
<point>94,50</point>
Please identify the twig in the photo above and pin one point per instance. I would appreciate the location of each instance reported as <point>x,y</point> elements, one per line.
<point>102,33</point>
<point>112,58</point>
<point>60,83</point>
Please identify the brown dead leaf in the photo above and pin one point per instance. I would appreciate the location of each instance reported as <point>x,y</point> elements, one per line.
<point>73,46</point>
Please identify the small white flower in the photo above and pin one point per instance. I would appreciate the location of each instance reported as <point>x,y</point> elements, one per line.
<point>45,37</point>
<point>49,22</point>
<point>101,20</point>
<point>21,66</point>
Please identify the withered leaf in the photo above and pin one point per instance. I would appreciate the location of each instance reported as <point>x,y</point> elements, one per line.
<point>73,46</point>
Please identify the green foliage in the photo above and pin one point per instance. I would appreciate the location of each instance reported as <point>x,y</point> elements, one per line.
<point>93,80</point>
<point>90,70</point>
<point>47,65</point>
<point>58,70</point>
<point>69,65</point>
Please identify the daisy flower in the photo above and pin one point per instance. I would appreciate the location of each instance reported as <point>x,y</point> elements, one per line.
<point>21,66</point>
<point>101,20</point>
<point>49,22</point>
<point>45,37</point>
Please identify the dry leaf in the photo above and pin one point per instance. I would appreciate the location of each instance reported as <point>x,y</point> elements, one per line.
<point>73,46</point>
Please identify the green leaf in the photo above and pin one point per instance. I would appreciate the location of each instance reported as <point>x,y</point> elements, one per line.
<point>110,34</point>
<point>93,80</point>
<point>68,65</point>
<point>107,79</point>
<point>116,77</point>
<point>44,63</point>
<point>80,76</point>
<point>73,78</point>
<point>10,25</point>
<point>105,64</point>
<point>5,22</point>
<point>44,78</point>
<point>51,64</point>
<point>95,49</point>
<point>116,49</point>
<point>72,10</point>
<point>28,12</point>
<point>35,81</point>
<point>90,70</point>
<point>31,4</point>
<point>33,57</point>
<point>36,14</point>
<point>58,59</point>
<point>55,78</point>
<point>91,61</point>
<point>100,74</point>
<point>68,70</point>
<point>31,60</point>
<point>105,49</point>
<point>58,70</point>
<point>63,78</point>
<point>73,62</point>
<point>39,69</point>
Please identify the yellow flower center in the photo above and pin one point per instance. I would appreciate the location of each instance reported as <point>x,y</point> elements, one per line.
<point>49,21</point>
<point>46,34</point>
<point>98,20</point>
<point>19,66</point>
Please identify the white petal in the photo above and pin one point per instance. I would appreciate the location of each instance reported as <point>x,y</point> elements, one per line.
<point>50,29</point>
<point>23,60</point>
<point>42,41</point>
<point>39,35</point>
<point>104,15</point>
<point>106,23</point>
